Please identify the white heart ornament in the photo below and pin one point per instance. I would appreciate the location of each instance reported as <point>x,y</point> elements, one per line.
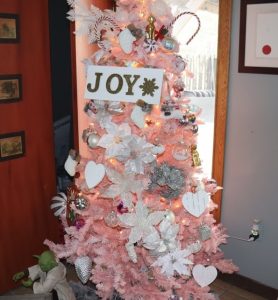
<point>94,174</point>
<point>195,203</point>
<point>126,41</point>
<point>204,276</point>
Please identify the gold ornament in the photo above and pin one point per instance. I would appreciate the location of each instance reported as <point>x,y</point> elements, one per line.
<point>196,161</point>
<point>150,29</point>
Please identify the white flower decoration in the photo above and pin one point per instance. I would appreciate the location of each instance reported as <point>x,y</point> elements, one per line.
<point>141,222</point>
<point>174,261</point>
<point>140,153</point>
<point>124,185</point>
<point>116,139</point>
<point>166,242</point>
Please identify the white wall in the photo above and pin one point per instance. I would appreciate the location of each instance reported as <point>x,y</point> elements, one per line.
<point>251,168</point>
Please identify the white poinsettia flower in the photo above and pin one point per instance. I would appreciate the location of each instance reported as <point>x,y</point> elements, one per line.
<point>124,185</point>
<point>166,241</point>
<point>175,261</point>
<point>116,139</point>
<point>140,153</point>
<point>141,222</point>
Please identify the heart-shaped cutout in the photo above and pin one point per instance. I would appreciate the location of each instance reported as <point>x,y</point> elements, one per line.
<point>204,276</point>
<point>94,174</point>
<point>195,203</point>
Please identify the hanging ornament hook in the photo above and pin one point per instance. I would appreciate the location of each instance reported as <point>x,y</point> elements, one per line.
<point>187,13</point>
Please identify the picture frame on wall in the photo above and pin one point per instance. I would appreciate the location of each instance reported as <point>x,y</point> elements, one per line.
<point>12,145</point>
<point>10,88</point>
<point>9,28</point>
<point>258,42</point>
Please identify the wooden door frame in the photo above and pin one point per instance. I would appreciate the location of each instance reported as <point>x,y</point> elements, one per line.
<point>224,32</point>
<point>222,81</point>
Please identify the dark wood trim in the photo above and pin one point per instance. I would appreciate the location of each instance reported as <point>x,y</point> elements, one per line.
<point>74,88</point>
<point>222,80</point>
<point>250,285</point>
<point>242,37</point>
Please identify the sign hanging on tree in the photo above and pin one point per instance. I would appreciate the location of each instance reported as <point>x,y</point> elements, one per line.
<point>124,84</point>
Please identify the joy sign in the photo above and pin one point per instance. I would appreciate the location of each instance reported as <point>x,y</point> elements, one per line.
<point>124,84</point>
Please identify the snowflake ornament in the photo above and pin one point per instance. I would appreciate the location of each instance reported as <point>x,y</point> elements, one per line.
<point>176,261</point>
<point>150,45</point>
<point>148,87</point>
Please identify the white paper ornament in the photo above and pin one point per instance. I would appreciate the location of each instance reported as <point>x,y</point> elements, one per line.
<point>138,117</point>
<point>204,276</point>
<point>126,40</point>
<point>195,203</point>
<point>70,165</point>
<point>94,174</point>
<point>83,267</point>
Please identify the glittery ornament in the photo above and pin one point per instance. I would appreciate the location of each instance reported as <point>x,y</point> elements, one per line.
<point>180,151</point>
<point>196,162</point>
<point>59,204</point>
<point>150,45</point>
<point>167,180</point>
<point>79,223</point>
<point>178,87</point>
<point>92,140</point>
<point>169,44</point>
<point>83,267</point>
<point>80,202</point>
<point>111,219</point>
<point>204,232</point>
<point>170,216</point>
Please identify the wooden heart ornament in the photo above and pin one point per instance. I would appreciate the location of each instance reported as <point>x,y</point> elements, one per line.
<point>204,276</point>
<point>94,174</point>
<point>195,203</point>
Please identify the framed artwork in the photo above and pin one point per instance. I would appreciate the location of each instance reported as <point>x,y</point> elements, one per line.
<point>10,88</point>
<point>12,145</point>
<point>9,28</point>
<point>258,42</point>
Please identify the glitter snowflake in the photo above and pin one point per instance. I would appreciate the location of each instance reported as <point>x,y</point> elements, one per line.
<point>148,87</point>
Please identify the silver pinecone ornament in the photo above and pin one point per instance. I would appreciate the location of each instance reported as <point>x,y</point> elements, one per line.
<point>83,267</point>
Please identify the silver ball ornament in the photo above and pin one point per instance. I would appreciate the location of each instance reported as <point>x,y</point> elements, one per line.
<point>81,203</point>
<point>169,44</point>
<point>92,140</point>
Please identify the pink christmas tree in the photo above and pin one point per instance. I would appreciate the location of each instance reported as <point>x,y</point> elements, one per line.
<point>138,220</point>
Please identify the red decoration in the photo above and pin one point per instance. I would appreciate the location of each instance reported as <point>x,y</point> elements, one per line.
<point>266,49</point>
